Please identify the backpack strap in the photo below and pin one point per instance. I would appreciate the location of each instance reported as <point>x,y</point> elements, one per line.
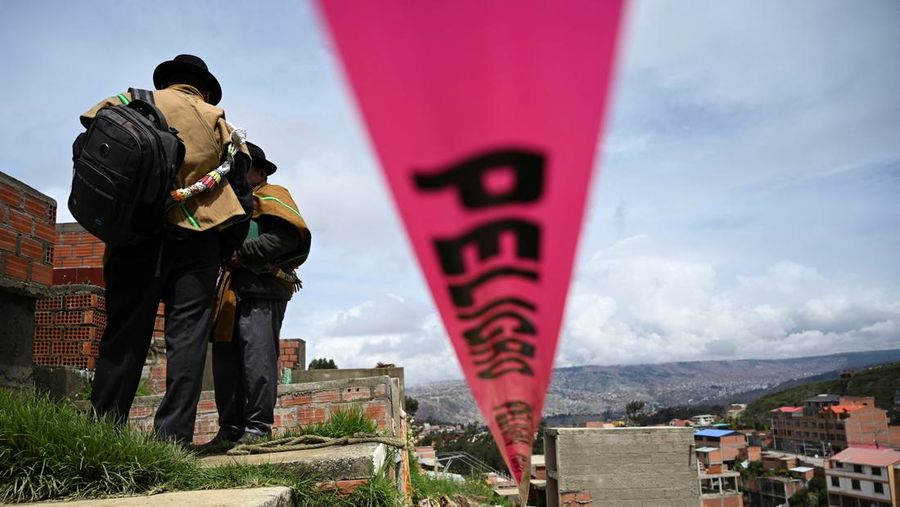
<point>141,94</point>
<point>142,100</point>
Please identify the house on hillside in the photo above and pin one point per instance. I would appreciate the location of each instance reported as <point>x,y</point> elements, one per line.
<point>863,477</point>
<point>828,423</point>
<point>703,420</point>
<point>728,442</point>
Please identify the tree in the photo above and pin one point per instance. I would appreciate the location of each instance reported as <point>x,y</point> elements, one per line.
<point>410,405</point>
<point>634,409</point>
<point>322,364</point>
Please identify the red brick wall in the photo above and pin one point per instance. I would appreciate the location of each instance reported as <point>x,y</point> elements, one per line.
<point>68,327</point>
<point>724,501</point>
<point>296,405</point>
<point>575,499</point>
<point>27,235</point>
<point>867,426</point>
<point>78,257</point>
<point>291,356</point>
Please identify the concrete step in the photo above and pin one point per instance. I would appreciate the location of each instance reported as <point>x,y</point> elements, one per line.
<point>253,497</point>
<point>335,463</point>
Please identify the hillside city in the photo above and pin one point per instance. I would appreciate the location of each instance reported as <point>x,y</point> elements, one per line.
<point>818,430</point>
<point>827,449</point>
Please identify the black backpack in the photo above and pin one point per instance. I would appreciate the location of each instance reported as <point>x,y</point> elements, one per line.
<point>125,165</point>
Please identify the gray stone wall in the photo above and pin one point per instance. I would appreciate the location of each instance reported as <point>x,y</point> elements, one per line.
<point>623,467</point>
<point>15,336</point>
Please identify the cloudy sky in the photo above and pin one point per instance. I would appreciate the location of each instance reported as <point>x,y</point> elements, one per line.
<point>743,206</point>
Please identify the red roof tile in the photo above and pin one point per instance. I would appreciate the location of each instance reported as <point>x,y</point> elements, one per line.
<point>864,456</point>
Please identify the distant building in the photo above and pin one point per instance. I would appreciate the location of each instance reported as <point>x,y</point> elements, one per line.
<point>827,423</point>
<point>716,452</point>
<point>757,438</point>
<point>863,477</point>
<point>735,409</point>
<point>621,466</point>
<point>703,420</point>
<point>680,423</point>
<point>721,489</point>
<point>601,424</point>
<point>779,461</point>
<point>729,443</point>
<point>427,458</point>
<point>776,490</point>
<point>537,485</point>
<point>750,453</point>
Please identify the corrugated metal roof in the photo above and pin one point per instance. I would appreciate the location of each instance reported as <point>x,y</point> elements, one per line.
<point>787,409</point>
<point>820,398</point>
<point>861,456</point>
<point>713,433</point>
<point>707,449</point>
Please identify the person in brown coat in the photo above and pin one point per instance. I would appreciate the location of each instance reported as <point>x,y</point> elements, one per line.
<point>252,298</point>
<point>181,266</point>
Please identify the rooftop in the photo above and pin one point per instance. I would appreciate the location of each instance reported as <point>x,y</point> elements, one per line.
<point>713,433</point>
<point>788,409</point>
<point>863,456</point>
<point>823,398</point>
<point>839,409</point>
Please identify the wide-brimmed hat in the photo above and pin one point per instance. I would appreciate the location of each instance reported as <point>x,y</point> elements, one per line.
<point>188,64</point>
<point>259,159</point>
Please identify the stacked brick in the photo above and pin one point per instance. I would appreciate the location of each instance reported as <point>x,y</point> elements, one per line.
<point>311,403</point>
<point>575,499</point>
<point>296,405</point>
<point>68,327</point>
<point>27,236</point>
<point>78,257</point>
<point>292,354</point>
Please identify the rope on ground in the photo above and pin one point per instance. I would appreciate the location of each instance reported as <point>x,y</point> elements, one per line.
<point>310,442</point>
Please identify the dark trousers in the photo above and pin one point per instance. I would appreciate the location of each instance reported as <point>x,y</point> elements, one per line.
<point>245,370</point>
<point>137,278</point>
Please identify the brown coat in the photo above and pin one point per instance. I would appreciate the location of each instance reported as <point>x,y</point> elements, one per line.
<point>203,129</point>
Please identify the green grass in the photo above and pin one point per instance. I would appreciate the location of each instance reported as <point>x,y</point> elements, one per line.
<point>51,451</point>
<point>434,488</point>
<point>344,422</point>
<point>142,390</point>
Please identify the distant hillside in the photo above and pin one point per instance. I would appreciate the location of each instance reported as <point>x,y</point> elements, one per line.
<point>879,381</point>
<point>604,389</point>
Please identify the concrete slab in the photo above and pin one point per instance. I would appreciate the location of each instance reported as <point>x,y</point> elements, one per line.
<point>336,463</point>
<point>253,497</point>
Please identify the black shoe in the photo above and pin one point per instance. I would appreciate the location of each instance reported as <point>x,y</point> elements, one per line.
<point>250,438</point>
<point>218,445</point>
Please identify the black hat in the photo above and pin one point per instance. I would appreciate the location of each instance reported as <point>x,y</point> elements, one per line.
<point>188,64</point>
<point>259,159</point>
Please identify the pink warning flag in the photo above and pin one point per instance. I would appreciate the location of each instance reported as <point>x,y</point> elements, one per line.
<point>486,118</point>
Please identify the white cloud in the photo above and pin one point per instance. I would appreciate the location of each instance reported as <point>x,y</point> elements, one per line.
<point>634,306</point>
<point>387,314</point>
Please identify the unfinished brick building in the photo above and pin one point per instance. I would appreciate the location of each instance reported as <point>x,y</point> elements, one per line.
<point>70,323</point>
<point>27,236</point>
<point>828,423</point>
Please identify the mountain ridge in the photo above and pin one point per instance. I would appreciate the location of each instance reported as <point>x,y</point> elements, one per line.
<point>594,389</point>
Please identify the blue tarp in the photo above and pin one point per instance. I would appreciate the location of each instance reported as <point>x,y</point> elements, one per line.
<point>713,433</point>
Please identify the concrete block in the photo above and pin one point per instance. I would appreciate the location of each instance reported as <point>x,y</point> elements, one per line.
<point>336,463</point>
<point>16,336</point>
<point>253,497</point>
